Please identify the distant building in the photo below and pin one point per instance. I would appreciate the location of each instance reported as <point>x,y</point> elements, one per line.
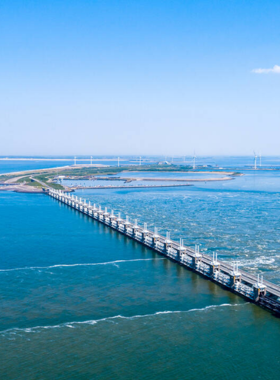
<point>164,163</point>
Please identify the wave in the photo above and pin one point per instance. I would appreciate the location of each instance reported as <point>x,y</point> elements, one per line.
<point>95,321</point>
<point>263,260</point>
<point>81,265</point>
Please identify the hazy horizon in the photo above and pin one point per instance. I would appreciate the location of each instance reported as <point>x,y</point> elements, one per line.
<point>134,156</point>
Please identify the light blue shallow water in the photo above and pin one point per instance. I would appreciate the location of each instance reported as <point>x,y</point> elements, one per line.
<point>80,301</point>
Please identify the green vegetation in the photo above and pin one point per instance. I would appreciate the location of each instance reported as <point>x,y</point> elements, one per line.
<point>42,178</point>
<point>55,186</point>
<point>35,184</point>
<point>236,174</point>
<point>24,179</point>
<point>4,178</point>
<point>29,182</point>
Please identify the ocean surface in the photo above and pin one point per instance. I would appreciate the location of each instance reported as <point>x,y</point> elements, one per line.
<point>80,301</point>
<point>8,166</point>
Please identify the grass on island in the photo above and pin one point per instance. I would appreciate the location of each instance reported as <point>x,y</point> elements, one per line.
<point>4,178</point>
<point>29,182</point>
<point>55,186</point>
<point>33,183</point>
<point>47,180</point>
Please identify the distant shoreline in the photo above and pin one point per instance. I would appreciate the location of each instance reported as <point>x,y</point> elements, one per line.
<point>60,159</point>
<point>21,172</point>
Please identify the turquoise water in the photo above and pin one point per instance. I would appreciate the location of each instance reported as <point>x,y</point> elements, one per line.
<point>14,166</point>
<point>80,301</point>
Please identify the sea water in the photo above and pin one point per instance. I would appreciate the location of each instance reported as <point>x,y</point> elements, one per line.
<point>80,301</point>
<point>30,163</point>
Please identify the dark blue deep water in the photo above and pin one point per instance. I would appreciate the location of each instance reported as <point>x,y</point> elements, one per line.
<point>80,301</point>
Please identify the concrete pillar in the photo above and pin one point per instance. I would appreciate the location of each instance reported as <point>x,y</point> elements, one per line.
<point>93,209</point>
<point>119,220</point>
<point>112,218</point>
<point>144,232</point>
<point>259,289</point>
<point>196,259</point>
<point>155,237</point>
<point>135,228</point>
<point>181,250</point>
<point>89,208</point>
<point>235,276</point>
<point>105,214</point>
<point>214,266</point>
<point>167,243</point>
<point>127,224</point>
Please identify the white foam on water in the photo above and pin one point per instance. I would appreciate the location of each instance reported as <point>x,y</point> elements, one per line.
<point>263,260</point>
<point>35,329</point>
<point>81,265</point>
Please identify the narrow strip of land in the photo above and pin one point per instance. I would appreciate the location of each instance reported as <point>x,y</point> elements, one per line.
<point>39,180</point>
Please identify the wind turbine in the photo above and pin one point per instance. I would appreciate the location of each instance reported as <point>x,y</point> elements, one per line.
<point>260,159</point>
<point>255,156</point>
<point>75,160</point>
<point>194,157</point>
<point>91,160</point>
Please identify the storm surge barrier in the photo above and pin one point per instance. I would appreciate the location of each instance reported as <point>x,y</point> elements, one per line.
<point>253,288</point>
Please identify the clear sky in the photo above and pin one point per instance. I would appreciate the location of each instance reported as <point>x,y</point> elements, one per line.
<point>139,77</point>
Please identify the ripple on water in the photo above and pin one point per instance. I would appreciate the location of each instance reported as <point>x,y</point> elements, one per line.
<point>228,220</point>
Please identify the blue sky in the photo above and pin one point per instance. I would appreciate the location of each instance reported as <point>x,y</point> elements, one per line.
<point>139,77</point>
